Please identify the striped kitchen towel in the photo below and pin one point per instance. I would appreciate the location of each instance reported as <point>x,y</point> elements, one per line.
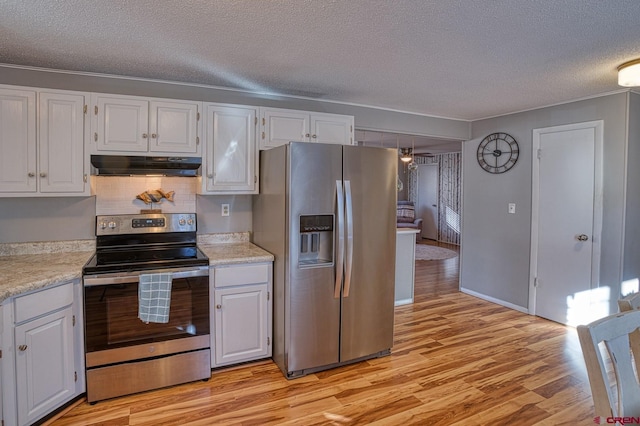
<point>154,297</point>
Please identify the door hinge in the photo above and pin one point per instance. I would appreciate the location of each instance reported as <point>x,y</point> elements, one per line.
<point>85,109</point>
<point>75,376</point>
<point>268,295</point>
<point>268,341</point>
<point>95,110</point>
<point>351,128</point>
<point>255,178</point>
<point>0,353</point>
<point>263,121</point>
<point>73,320</point>
<point>197,140</point>
<point>535,282</point>
<point>255,121</point>
<point>95,137</point>
<point>539,154</point>
<point>197,116</point>
<point>262,135</point>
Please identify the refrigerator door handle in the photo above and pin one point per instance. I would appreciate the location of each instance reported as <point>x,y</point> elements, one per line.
<point>340,242</point>
<point>349,246</point>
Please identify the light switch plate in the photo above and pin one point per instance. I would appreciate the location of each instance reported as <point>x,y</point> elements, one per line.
<point>512,208</point>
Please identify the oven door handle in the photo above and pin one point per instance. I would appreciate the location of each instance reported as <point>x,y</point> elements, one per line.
<point>108,279</point>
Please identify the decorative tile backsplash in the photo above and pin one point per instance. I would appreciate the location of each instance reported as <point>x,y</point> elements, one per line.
<point>117,194</point>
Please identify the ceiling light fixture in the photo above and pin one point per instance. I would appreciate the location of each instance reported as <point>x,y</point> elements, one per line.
<point>405,155</point>
<point>629,74</point>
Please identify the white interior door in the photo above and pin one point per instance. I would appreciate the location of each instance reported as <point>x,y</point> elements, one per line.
<point>566,223</point>
<point>428,200</point>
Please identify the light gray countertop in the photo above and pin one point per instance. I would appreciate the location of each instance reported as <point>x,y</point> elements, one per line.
<point>26,272</point>
<point>32,270</point>
<point>232,253</point>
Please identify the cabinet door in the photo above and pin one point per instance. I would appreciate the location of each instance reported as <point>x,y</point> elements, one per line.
<point>331,128</point>
<point>173,127</point>
<point>121,124</point>
<point>17,141</point>
<point>241,324</point>
<point>44,364</point>
<point>61,165</point>
<point>283,126</point>
<point>231,157</point>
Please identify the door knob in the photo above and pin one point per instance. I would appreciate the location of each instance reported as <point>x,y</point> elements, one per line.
<point>582,237</point>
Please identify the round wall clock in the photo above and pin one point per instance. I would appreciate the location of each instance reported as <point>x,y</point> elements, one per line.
<point>498,152</point>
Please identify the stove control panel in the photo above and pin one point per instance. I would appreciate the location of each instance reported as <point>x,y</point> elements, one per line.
<point>145,223</point>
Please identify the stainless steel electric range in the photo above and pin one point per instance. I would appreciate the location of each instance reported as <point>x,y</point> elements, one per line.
<point>125,354</point>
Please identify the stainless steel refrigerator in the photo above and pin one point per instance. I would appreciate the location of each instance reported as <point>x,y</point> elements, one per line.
<point>328,214</point>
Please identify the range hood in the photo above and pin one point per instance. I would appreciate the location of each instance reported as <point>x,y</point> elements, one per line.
<point>122,165</point>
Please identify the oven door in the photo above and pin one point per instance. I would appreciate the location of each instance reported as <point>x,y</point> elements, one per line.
<point>114,333</point>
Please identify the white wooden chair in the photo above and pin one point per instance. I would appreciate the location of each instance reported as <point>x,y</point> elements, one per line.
<point>614,332</point>
<point>629,302</point>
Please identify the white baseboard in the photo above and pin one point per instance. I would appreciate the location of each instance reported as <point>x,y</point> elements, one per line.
<point>403,302</point>
<point>494,300</point>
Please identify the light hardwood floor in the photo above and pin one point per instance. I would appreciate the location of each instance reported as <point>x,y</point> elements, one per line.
<point>456,360</point>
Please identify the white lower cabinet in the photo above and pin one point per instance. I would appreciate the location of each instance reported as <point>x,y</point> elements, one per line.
<point>40,357</point>
<point>44,364</point>
<point>241,313</point>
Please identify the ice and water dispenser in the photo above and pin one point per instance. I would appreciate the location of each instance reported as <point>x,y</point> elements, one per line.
<point>316,240</point>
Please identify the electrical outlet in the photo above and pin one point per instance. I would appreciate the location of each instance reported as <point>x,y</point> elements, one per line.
<point>512,208</point>
<point>225,210</point>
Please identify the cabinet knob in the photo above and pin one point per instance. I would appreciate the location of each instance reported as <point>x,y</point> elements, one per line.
<point>306,135</point>
<point>210,175</point>
<point>31,174</point>
<point>43,174</point>
<point>314,136</point>
<point>154,135</point>
<point>22,348</point>
<point>218,306</point>
<point>144,136</point>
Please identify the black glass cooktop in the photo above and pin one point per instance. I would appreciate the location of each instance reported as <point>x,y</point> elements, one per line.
<point>141,258</point>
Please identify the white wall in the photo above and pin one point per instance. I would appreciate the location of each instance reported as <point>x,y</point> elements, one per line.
<point>496,245</point>
<point>631,268</point>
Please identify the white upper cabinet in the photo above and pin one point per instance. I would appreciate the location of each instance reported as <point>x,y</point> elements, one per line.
<point>54,162</point>
<point>280,126</point>
<point>62,166</point>
<point>230,159</point>
<point>128,124</point>
<point>17,140</point>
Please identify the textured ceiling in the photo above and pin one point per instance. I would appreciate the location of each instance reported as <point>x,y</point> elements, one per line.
<point>466,59</point>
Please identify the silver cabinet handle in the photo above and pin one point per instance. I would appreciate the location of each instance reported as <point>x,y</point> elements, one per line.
<point>582,237</point>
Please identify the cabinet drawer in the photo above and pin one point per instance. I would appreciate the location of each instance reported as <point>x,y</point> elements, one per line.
<point>36,304</point>
<point>227,276</point>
